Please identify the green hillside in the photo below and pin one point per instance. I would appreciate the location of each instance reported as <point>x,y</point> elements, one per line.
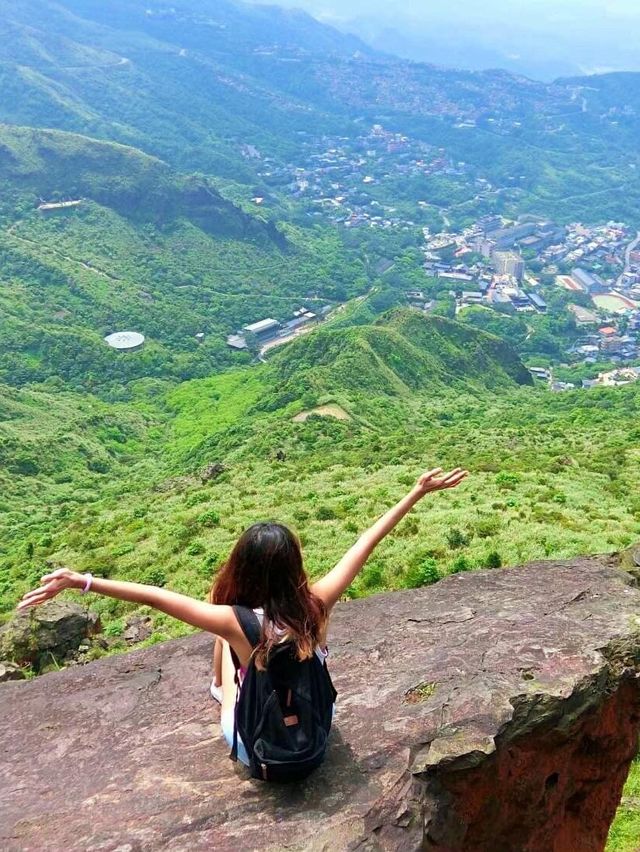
<point>146,249</point>
<point>59,166</point>
<point>403,354</point>
<point>208,86</point>
<point>184,133</point>
<point>552,475</point>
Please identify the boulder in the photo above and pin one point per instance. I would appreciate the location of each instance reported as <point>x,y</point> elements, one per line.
<point>10,671</point>
<point>212,471</point>
<point>137,629</point>
<point>494,711</point>
<point>49,631</point>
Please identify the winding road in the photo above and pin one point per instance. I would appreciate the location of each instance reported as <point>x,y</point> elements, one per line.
<point>627,259</point>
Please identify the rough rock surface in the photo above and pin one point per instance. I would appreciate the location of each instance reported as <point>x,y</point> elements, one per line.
<point>138,628</point>
<point>10,671</point>
<point>493,711</point>
<point>54,629</point>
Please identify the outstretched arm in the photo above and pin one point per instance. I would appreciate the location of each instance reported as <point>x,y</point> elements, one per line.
<point>211,617</point>
<point>336,582</point>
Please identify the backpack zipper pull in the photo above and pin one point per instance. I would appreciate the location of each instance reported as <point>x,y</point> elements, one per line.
<point>263,766</point>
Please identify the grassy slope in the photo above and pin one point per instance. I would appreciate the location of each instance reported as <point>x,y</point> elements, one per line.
<point>147,249</point>
<point>552,474</point>
<point>625,831</point>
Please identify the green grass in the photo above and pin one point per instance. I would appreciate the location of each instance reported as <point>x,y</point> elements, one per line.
<point>625,831</point>
<point>205,407</point>
<point>552,475</point>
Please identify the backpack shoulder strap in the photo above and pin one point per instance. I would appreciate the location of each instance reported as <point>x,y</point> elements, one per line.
<point>252,629</point>
<point>250,624</point>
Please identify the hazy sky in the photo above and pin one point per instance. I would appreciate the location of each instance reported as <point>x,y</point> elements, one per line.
<point>543,38</point>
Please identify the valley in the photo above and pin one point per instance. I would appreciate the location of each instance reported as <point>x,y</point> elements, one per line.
<point>423,266</point>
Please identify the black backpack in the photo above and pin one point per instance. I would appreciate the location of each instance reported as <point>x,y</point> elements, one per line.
<point>283,713</point>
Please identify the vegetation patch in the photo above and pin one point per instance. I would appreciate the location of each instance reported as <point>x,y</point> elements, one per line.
<point>421,692</point>
<point>322,411</point>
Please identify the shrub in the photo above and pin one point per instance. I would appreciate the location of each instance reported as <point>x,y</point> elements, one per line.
<point>350,502</point>
<point>493,560</point>
<point>155,577</point>
<point>372,577</point>
<point>460,564</point>
<point>115,628</point>
<point>325,513</point>
<point>196,498</point>
<point>423,573</point>
<point>507,481</point>
<point>456,538</point>
<point>209,518</point>
<point>123,549</point>
<point>409,527</point>
<point>195,548</point>
<point>487,527</point>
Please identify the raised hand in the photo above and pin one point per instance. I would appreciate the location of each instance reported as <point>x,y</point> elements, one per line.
<point>50,586</point>
<point>438,480</point>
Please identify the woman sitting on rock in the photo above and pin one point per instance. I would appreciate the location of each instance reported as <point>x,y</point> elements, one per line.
<point>276,694</point>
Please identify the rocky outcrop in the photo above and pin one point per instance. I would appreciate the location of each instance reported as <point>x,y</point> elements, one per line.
<point>48,633</point>
<point>10,671</point>
<point>496,710</point>
<point>137,629</point>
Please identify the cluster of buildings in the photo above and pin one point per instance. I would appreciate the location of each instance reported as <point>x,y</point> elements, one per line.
<point>614,378</point>
<point>269,331</point>
<point>485,265</point>
<point>531,234</point>
<point>618,340</point>
<point>488,263</point>
<point>610,379</point>
<point>339,178</point>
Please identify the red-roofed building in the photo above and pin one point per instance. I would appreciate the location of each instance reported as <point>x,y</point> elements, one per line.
<point>608,331</point>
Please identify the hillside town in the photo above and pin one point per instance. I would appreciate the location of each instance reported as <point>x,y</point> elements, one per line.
<point>514,267</point>
<point>354,181</point>
<point>508,267</point>
<point>505,266</point>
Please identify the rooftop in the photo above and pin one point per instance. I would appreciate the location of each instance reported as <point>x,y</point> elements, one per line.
<point>261,326</point>
<point>125,340</point>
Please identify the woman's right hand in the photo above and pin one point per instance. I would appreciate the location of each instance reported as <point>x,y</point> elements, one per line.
<point>438,480</point>
<point>51,585</point>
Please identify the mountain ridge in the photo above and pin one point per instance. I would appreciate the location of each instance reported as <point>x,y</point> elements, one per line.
<point>230,98</point>
<point>59,164</point>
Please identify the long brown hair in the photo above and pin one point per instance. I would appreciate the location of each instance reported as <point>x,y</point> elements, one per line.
<point>265,570</point>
